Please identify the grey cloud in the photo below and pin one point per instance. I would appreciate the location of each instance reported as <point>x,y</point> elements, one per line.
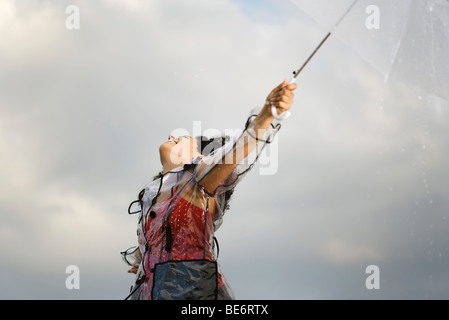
<point>362,177</point>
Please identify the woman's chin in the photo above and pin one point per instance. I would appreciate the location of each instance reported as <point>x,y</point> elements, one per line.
<point>169,155</point>
<point>166,147</point>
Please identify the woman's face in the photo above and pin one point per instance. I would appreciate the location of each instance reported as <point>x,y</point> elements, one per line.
<point>177,151</point>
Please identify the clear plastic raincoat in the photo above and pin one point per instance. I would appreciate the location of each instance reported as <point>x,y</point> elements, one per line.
<point>178,217</point>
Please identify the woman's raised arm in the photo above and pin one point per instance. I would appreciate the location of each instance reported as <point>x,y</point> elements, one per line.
<point>217,169</point>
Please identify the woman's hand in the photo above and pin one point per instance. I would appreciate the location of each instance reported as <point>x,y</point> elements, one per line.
<point>281,97</point>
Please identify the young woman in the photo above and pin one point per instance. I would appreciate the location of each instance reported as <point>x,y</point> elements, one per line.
<point>182,208</point>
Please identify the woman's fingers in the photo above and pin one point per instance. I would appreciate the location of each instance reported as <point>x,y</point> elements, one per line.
<point>285,96</point>
<point>282,96</point>
<point>286,90</point>
<point>292,86</point>
<point>280,87</point>
<point>285,86</point>
<point>285,93</point>
<point>282,100</point>
<point>284,105</point>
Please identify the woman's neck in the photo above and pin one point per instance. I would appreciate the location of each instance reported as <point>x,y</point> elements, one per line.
<point>169,166</point>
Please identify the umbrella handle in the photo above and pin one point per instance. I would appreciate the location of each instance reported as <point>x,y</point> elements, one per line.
<point>283,115</point>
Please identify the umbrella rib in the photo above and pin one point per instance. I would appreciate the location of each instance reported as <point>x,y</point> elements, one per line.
<point>344,15</point>
<point>395,50</point>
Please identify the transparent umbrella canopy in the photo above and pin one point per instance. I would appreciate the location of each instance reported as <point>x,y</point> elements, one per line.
<point>408,41</point>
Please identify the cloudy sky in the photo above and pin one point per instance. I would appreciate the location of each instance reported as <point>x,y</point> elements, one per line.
<point>362,175</point>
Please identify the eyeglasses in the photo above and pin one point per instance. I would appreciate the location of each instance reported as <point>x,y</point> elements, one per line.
<point>131,255</point>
